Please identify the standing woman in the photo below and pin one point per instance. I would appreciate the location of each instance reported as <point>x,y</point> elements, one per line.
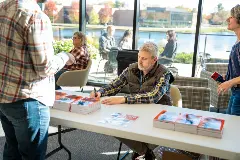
<point>233,74</point>
<point>80,53</point>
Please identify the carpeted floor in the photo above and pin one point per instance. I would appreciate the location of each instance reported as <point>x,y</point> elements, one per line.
<point>83,145</point>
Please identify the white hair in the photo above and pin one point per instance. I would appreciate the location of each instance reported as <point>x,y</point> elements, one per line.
<point>151,48</point>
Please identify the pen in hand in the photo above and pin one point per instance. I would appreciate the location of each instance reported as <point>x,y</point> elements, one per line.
<point>95,92</point>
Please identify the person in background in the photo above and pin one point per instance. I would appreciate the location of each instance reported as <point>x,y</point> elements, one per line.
<point>233,74</point>
<point>27,68</point>
<point>106,42</point>
<point>140,78</point>
<point>80,53</point>
<point>126,41</point>
<point>170,49</point>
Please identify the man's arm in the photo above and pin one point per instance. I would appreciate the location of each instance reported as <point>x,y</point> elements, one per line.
<point>39,39</point>
<point>154,95</point>
<point>115,86</point>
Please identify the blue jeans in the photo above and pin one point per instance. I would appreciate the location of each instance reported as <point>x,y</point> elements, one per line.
<point>57,75</point>
<point>25,124</point>
<point>234,103</point>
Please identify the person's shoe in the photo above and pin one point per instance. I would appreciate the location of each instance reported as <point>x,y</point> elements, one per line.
<point>135,155</point>
<point>149,155</point>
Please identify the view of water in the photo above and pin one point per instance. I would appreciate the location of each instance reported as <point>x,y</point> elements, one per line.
<point>217,45</point>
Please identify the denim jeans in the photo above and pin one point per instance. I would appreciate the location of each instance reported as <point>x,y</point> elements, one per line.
<point>57,75</point>
<point>234,103</point>
<point>25,124</point>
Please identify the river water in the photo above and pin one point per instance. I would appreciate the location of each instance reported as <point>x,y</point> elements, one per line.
<point>217,45</point>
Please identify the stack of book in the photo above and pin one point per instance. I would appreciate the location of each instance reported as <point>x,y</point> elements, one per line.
<point>63,101</point>
<point>75,103</point>
<point>187,123</point>
<point>165,120</point>
<point>85,105</point>
<point>211,127</point>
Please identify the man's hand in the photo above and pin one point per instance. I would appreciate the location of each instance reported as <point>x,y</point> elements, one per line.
<point>113,100</point>
<point>71,59</point>
<point>95,94</point>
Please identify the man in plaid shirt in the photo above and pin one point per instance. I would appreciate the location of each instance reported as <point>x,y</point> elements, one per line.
<point>27,68</point>
<point>148,82</point>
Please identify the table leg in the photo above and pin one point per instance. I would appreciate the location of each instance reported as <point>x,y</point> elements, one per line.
<point>119,150</point>
<point>61,146</point>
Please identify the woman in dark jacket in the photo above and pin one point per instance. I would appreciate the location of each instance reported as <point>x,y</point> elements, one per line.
<point>170,49</point>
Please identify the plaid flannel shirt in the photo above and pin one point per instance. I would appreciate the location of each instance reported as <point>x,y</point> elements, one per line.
<point>81,56</point>
<point>161,87</point>
<point>27,61</point>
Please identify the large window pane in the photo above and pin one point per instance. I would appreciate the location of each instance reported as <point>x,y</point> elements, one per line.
<point>157,17</point>
<point>215,40</point>
<point>100,15</point>
<point>64,16</point>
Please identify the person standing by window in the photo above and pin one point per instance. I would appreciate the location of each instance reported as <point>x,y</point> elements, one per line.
<point>27,67</point>
<point>233,74</point>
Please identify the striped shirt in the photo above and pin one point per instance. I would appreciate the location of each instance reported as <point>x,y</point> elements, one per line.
<point>27,61</point>
<point>161,87</point>
<point>81,57</point>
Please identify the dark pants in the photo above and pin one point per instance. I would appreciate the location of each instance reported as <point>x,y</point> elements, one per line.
<point>25,124</point>
<point>57,75</point>
<point>234,102</point>
<point>139,147</point>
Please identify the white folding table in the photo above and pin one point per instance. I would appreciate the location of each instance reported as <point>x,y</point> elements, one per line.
<point>142,129</point>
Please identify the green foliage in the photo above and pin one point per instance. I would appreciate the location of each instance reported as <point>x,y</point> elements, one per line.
<point>184,58</point>
<point>92,51</point>
<point>94,17</point>
<point>67,45</point>
<point>160,50</point>
<point>62,46</point>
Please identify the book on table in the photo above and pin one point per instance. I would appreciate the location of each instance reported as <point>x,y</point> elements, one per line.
<point>63,101</point>
<point>76,103</point>
<point>212,127</point>
<point>187,123</point>
<point>85,105</point>
<point>165,120</point>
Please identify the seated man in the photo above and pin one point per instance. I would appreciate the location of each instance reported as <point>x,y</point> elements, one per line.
<point>106,42</point>
<point>148,81</point>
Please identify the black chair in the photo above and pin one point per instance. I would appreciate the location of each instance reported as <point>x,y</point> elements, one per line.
<point>126,57</point>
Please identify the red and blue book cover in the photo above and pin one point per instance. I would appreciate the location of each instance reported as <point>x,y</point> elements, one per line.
<point>212,123</point>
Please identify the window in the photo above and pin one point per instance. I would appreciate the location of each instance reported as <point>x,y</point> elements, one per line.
<point>171,25</point>
<point>216,40</point>
<point>104,17</point>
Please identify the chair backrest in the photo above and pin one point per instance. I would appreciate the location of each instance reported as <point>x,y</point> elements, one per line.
<point>217,67</point>
<point>176,96</point>
<point>76,77</point>
<point>191,81</point>
<point>126,57</point>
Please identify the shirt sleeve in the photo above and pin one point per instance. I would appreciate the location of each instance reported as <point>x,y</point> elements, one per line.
<point>40,46</point>
<point>115,86</point>
<point>162,86</point>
